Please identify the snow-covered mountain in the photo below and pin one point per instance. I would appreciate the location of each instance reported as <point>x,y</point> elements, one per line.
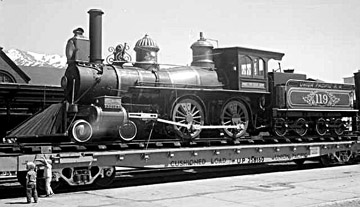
<point>23,58</point>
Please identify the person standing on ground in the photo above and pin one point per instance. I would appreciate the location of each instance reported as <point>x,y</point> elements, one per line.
<point>31,183</point>
<point>48,177</point>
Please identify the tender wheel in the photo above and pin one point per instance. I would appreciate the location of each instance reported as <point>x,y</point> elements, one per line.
<point>108,179</point>
<point>188,111</point>
<point>321,127</point>
<point>301,127</point>
<point>339,127</point>
<point>235,113</point>
<point>81,130</point>
<point>280,127</point>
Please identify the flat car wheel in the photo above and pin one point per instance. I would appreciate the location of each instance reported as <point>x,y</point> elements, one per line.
<point>41,184</point>
<point>301,127</point>
<point>321,127</point>
<point>299,162</point>
<point>339,127</point>
<point>280,127</point>
<point>189,112</point>
<point>108,179</point>
<point>326,160</point>
<point>235,113</point>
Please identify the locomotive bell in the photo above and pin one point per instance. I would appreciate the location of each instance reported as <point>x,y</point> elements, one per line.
<point>146,52</point>
<point>202,53</point>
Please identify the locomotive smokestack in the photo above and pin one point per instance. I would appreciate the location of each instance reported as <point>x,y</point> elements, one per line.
<point>95,35</point>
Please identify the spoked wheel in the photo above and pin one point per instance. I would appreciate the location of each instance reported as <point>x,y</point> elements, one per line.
<point>339,127</point>
<point>321,127</point>
<point>189,112</point>
<point>235,113</point>
<point>107,179</point>
<point>280,127</point>
<point>301,127</point>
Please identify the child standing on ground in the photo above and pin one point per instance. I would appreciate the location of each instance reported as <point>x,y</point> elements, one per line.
<point>31,182</point>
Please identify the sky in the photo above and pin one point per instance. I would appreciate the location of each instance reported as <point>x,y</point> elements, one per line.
<point>320,38</point>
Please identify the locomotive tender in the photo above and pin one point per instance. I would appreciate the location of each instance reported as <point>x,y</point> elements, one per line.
<point>225,93</point>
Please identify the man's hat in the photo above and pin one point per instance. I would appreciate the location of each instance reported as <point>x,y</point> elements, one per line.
<point>78,30</point>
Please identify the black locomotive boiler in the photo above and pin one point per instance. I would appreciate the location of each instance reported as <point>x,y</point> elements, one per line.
<point>226,93</point>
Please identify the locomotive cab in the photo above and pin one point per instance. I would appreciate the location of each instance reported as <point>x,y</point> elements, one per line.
<point>244,68</point>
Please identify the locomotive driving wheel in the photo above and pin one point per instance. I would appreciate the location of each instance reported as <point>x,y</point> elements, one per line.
<point>301,126</point>
<point>321,127</point>
<point>189,112</point>
<point>235,113</point>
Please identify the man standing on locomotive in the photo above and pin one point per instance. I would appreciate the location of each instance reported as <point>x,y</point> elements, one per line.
<point>72,47</point>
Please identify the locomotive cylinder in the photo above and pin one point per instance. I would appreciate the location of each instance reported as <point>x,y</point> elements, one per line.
<point>103,121</point>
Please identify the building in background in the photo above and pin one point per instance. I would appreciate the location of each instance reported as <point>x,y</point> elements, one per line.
<point>349,80</point>
<point>25,91</point>
<point>9,71</point>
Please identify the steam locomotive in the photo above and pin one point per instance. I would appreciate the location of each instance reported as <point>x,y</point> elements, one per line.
<point>225,93</point>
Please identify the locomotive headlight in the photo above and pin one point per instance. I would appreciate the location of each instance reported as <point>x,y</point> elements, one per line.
<point>64,82</point>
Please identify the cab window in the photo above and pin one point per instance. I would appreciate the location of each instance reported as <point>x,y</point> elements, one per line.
<point>245,63</point>
<point>251,66</point>
<point>259,67</point>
